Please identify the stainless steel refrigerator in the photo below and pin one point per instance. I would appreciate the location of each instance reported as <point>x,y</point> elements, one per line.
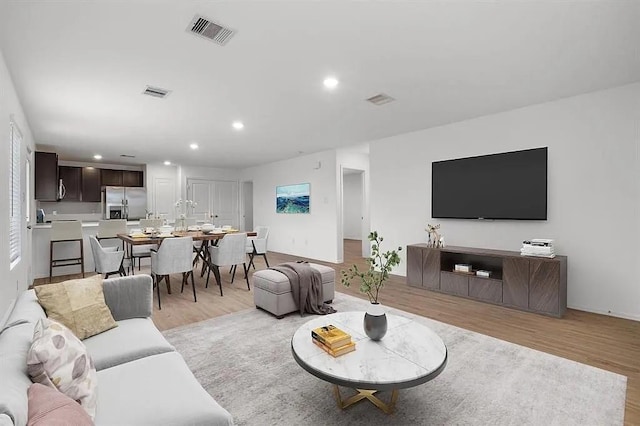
<point>124,203</point>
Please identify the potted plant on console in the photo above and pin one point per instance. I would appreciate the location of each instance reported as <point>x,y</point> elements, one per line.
<point>371,282</point>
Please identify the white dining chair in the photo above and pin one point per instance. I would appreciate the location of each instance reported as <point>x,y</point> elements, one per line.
<point>230,251</point>
<point>174,256</point>
<point>257,246</point>
<point>107,260</point>
<point>138,252</point>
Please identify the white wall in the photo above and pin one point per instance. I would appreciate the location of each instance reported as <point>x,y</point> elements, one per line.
<point>207,173</point>
<point>310,235</point>
<point>352,206</point>
<point>593,189</point>
<point>13,280</point>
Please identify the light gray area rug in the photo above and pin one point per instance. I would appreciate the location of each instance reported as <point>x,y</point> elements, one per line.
<point>244,361</point>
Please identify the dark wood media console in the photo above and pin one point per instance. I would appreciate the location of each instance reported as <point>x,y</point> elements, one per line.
<point>531,284</point>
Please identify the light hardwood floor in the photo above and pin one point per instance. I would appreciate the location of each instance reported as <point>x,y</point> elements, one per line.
<point>609,343</point>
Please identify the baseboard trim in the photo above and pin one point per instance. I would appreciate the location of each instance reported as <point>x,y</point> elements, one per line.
<point>633,317</point>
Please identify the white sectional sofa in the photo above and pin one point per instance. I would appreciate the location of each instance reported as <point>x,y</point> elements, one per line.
<point>142,380</point>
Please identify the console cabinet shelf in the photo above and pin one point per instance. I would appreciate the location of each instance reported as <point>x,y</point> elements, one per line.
<point>527,283</point>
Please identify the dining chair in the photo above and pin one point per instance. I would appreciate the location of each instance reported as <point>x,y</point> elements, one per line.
<point>150,223</point>
<point>107,260</point>
<point>138,252</point>
<point>172,257</point>
<point>111,228</point>
<point>230,251</point>
<point>257,246</point>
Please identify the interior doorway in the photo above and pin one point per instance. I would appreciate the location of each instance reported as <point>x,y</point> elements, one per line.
<point>247,206</point>
<point>216,201</point>
<point>353,209</point>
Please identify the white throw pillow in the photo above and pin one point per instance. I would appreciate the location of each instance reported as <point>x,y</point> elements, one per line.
<point>58,359</point>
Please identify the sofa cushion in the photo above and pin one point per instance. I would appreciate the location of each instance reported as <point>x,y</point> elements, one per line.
<point>14,380</point>
<point>26,308</point>
<point>50,407</point>
<point>78,304</point>
<point>159,389</point>
<point>58,359</point>
<point>129,297</point>
<point>132,339</point>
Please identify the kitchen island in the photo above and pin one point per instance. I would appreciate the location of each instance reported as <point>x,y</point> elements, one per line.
<point>40,250</point>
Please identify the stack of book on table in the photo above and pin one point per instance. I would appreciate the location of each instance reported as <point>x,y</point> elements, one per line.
<point>332,340</point>
<point>538,247</point>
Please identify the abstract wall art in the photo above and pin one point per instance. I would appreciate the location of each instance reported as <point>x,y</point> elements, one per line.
<point>293,198</point>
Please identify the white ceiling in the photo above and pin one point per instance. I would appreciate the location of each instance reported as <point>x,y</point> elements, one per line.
<point>80,66</point>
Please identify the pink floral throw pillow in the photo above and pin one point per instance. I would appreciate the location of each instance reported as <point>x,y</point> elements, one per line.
<point>58,359</point>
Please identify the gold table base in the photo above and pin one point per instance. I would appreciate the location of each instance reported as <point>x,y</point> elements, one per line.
<point>366,394</point>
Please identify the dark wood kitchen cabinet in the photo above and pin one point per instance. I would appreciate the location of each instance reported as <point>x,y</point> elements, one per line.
<point>71,178</point>
<point>132,178</point>
<point>122,177</point>
<point>46,176</point>
<point>110,177</point>
<point>91,185</point>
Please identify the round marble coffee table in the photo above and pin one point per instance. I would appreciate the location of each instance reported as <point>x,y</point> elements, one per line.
<point>409,354</point>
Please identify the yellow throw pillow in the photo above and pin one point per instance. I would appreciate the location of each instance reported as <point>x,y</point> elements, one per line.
<point>78,304</point>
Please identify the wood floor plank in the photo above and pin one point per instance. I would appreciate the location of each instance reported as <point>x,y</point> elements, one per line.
<point>609,343</point>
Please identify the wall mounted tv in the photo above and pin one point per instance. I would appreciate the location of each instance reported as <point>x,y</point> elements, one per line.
<point>509,185</point>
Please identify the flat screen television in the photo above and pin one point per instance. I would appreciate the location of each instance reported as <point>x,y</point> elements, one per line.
<point>509,185</point>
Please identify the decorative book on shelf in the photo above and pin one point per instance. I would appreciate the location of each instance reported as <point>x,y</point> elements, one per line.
<point>331,336</point>
<point>345,349</point>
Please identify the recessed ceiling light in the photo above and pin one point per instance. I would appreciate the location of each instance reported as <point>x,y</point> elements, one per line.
<point>193,146</point>
<point>98,157</point>
<point>238,125</point>
<point>167,163</point>
<point>330,82</point>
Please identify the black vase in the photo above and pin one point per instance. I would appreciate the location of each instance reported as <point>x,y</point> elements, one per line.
<point>375,322</point>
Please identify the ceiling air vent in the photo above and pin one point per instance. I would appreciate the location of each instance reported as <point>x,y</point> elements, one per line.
<point>127,156</point>
<point>205,28</point>
<point>380,99</point>
<point>156,92</point>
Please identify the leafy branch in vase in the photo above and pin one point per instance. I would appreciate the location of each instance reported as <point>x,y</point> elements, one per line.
<point>380,265</point>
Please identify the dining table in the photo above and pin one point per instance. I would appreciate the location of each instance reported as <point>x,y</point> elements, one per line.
<point>202,252</point>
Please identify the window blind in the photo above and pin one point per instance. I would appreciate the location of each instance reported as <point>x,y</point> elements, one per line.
<point>15,142</point>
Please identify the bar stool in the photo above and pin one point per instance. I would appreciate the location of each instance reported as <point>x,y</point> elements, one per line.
<point>67,231</point>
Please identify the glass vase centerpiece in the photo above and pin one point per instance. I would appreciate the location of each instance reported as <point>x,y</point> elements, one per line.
<point>184,208</point>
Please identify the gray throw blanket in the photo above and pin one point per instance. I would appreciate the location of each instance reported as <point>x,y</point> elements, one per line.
<point>306,286</point>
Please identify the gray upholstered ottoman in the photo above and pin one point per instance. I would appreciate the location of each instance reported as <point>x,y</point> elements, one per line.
<point>272,291</point>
